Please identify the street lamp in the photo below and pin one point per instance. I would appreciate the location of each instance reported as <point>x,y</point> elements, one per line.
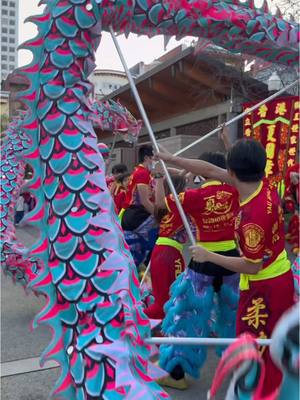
<point>274,83</point>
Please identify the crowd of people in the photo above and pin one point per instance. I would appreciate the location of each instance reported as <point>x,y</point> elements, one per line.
<point>239,278</point>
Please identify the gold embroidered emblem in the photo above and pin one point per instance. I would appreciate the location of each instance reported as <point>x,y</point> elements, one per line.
<point>254,236</point>
<point>216,207</point>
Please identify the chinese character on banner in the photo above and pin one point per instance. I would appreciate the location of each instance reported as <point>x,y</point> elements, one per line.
<point>276,125</point>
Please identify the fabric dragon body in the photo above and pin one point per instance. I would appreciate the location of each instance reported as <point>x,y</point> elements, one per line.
<point>112,116</point>
<point>230,24</point>
<point>93,301</point>
<point>15,260</point>
<point>243,362</point>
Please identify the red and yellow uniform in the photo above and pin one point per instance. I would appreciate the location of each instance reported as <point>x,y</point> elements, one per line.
<point>212,209</point>
<point>119,197</point>
<point>140,176</point>
<point>166,260</point>
<point>266,295</point>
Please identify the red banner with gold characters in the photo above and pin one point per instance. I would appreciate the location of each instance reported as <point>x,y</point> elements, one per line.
<point>276,125</point>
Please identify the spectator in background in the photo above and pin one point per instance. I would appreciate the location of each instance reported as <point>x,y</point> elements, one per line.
<point>20,208</point>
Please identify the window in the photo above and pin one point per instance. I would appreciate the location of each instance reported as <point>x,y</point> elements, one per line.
<point>3,57</point>
<point>3,48</point>
<point>12,13</point>
<point>4,12</point>
<point>4,21</point>
<point>12,4</point>
<point>4,30</point>
<point>11,40</point>
<point>11,22</point>
<point>3,66</point>
<point>12,58</point>
<point>4,39</point>
<point>11,49</point>
<point>4,2</point>
<point>12,31</point>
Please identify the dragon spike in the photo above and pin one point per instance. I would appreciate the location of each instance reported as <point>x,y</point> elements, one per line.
<point>265,7</point>
<point>38,20</point>
<point>36,42</point>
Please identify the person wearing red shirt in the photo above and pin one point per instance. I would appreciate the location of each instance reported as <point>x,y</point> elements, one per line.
<point>166,261</point>
<point>119,191</point>
<point>266,281</point>
<point>205,291</point>
<point>137,220</point>
<point>111,180</point>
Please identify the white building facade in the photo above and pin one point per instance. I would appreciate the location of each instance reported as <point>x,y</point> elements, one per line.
<point>9,36</point>
<point>106,81</point>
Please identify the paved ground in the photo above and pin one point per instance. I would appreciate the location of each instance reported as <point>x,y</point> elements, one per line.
<point>20,343</point>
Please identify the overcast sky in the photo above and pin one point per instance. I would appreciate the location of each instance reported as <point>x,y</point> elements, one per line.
<point>134,48</point>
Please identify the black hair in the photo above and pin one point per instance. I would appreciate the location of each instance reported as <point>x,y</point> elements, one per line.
<point>121,178</point>
<point>119,169</point>
<point>144,151</point>
<point>179,183</point>
<point>216,158</point>
<point>247,159</point>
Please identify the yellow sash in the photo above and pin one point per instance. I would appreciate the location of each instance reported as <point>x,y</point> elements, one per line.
<point>226,245</point>
<point>278,267</point>
<point>164,241</point>
<point>121,213</point>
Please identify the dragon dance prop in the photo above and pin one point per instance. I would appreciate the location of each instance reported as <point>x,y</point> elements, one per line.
<point>85,269</point>
<point>243,362</point>
<point>15,260</point>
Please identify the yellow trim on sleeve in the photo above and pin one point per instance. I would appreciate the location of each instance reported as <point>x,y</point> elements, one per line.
<point>278,267</point>
<point>254,194</point>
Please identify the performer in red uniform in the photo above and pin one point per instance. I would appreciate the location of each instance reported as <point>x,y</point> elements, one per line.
<point>138,222</point>
<point>119,191</point>
<point>204,298</point>
<point>112,181</point>
<point>166,261</point>
<point>266,281</point>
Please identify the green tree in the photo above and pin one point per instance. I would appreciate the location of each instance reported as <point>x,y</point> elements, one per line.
<point>4,119</point>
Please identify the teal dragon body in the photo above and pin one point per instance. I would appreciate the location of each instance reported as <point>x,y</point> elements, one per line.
<point>15,258</point>
<point>87,274</point>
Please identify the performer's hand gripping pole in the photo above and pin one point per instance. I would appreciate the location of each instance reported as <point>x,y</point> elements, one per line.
<point>152,137</point>
<point>236,118</point>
